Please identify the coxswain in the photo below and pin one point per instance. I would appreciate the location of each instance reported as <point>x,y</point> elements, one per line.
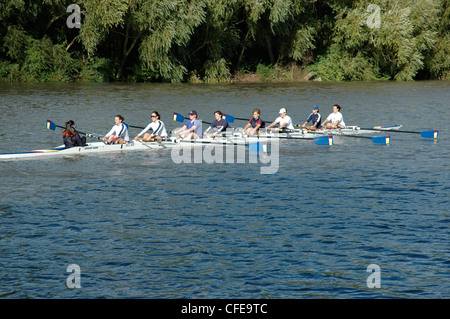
<point>71,137</point>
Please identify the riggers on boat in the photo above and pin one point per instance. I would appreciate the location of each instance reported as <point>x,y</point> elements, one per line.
<point>321,137</point>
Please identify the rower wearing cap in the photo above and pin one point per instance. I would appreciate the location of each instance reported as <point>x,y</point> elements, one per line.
<point>283,120</point>
<point>335,119</point>
<point>315,118</point>
<point>255,123</point>
<point>192,128</point>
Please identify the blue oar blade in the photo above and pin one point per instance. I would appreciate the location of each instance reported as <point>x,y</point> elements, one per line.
<point>429,134</point>
<point>381,139</point>
<point>228,118</point>
<point>257,147</point>
<point>178,117</point>
<point>50,125</point>
<point>324,140</point>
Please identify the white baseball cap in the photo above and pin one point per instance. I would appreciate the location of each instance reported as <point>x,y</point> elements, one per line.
<point>282,110</point>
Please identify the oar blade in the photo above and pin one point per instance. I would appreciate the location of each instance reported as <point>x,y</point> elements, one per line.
<point>324,140</point>
<point>50,125</point>
<point>381,139</point>
<point>178,117</point>
<point>258,147</point>
<point>429,134</point>
<point>228,118</point>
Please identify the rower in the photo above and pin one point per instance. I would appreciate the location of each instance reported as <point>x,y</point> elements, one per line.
<point>283,120</point>
<point>192,128</point>
<point>119,132</point>
<point>315,118</point>
<point>158,127</point>
<point>218,126</point>
<point>255,123</point>
<point>71,137</point>
<point>335,119</point>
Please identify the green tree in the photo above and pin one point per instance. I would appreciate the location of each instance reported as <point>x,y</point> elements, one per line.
<point>395,49</point>
<point>209,40</point>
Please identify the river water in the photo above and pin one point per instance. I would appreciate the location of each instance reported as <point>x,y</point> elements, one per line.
<point>139,225</point>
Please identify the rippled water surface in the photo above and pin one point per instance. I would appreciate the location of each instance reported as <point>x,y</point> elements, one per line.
<point>141,226</point>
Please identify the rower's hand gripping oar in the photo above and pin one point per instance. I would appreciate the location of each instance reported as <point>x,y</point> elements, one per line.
<point>52,126</point>
<point>424,134</point>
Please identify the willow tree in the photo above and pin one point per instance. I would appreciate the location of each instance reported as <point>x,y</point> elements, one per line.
<point>376,39</point>
<point>157,31</point>
<point>285,29</point>
<point>438,61</point>
<point>33,42</point>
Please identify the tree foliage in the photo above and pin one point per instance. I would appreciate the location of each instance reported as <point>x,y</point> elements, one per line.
<point>210,40</point>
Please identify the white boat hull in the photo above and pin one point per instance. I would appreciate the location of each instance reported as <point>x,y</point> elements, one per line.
<point>100,147</point>
<point>234,139</point>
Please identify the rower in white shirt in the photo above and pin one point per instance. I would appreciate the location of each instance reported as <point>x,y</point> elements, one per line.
<point>284,120</point>
<point>118,133</point>
<point>335,119</point>
<point>158,127</point>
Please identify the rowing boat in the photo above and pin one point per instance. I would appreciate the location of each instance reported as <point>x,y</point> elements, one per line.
<point>100,147</point>
<point>307,134</point>
<point>321,137</point>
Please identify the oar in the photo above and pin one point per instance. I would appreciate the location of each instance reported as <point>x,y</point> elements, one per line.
<point>324,140</point>
<point>230,119</point>
<point>282,130</point>
<point>257,147</point>
<point>180,118</point>
<point>328,140</point>
<point>52,126</point>
<point>376,139</point>
<point>141,127</point>
<point>425,134</point>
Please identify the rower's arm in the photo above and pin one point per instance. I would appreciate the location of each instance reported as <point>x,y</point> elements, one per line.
<point>272,124</point>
